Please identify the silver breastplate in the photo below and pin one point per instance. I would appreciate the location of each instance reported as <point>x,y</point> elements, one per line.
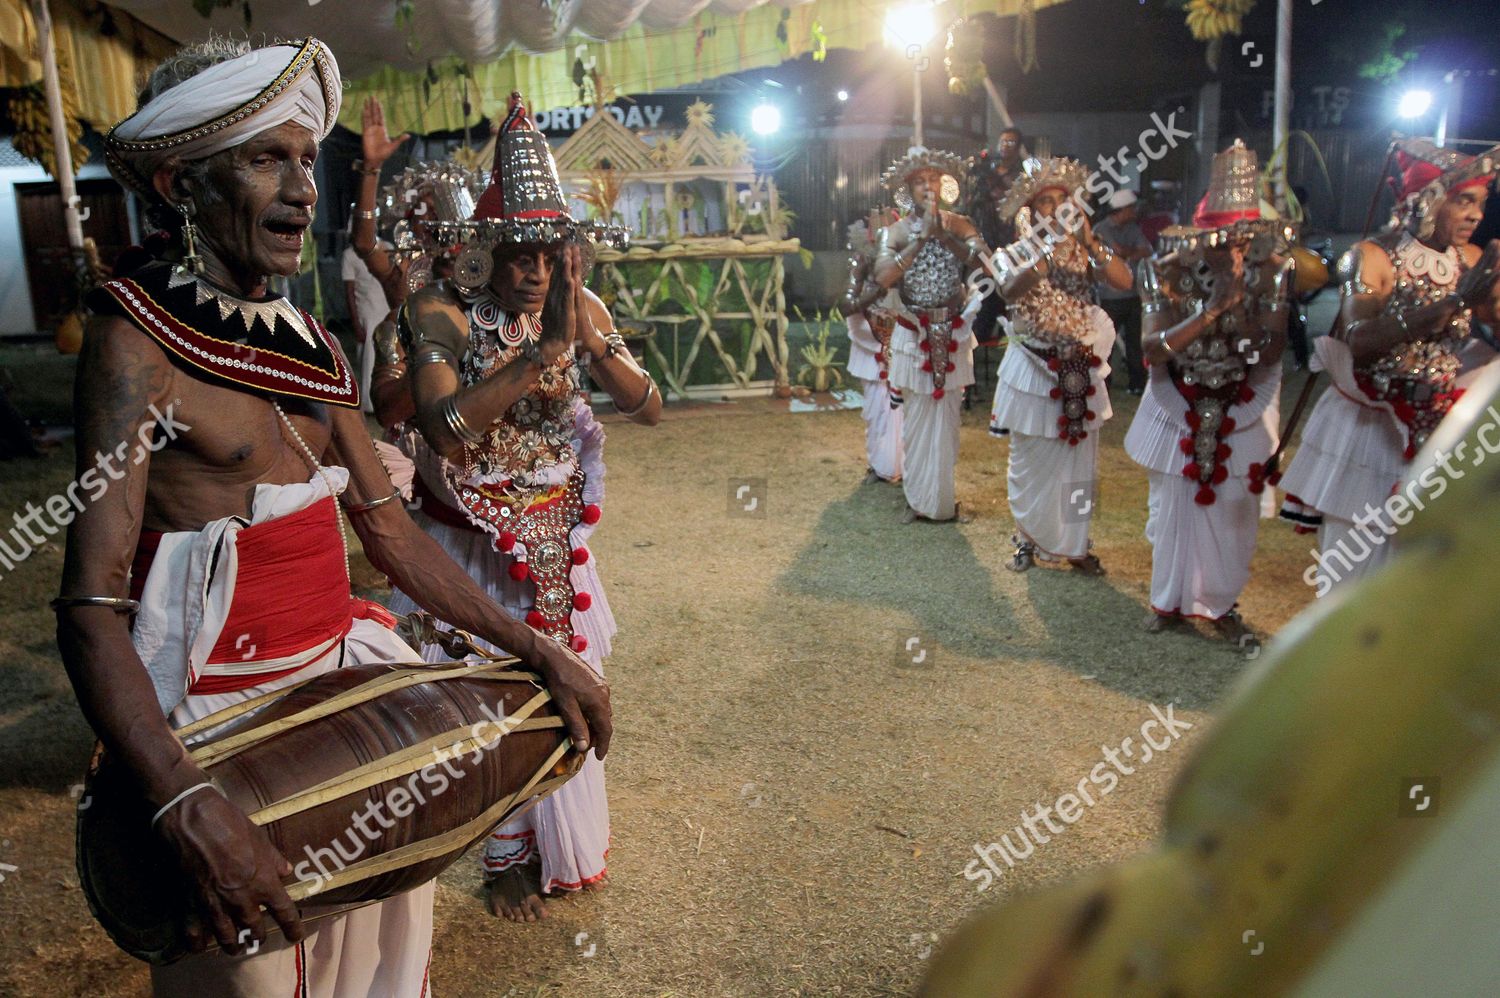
<point>933,278</point>
<point>1423,276</point>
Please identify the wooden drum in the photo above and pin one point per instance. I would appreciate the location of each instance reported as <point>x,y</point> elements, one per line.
<point>444,752</point>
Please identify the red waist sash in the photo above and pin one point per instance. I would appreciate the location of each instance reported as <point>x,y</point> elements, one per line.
<point>291,594</point>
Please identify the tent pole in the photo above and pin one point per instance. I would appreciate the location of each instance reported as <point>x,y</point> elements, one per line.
<point>61,150</point>
<point>1283,94</point>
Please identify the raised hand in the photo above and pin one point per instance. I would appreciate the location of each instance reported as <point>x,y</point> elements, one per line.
<point>560,316</point>
<point>375,141</point>
<point>1228,266</point>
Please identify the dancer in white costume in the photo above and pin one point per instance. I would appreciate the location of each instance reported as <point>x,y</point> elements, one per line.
<point>509,462</point>
<point>1051,394</point>
<point>1215,304</point>
<point>925,255</point>
<point>870,325</point>
<point>1411,298</point>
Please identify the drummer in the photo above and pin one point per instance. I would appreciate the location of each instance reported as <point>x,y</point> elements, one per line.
<point>211,566</point>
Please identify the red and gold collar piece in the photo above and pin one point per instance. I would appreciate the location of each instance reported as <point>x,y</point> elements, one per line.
<point>268,345</point>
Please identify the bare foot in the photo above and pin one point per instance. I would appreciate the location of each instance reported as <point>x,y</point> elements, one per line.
<point>1088,565</point>
<point>1155,622</point>
<point>516,894</point>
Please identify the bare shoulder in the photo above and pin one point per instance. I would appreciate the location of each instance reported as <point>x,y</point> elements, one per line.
<point>437,317</point>
<point>119,367</point>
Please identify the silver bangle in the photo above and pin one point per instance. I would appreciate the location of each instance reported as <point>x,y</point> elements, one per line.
<point>645,399</point>
<point>1161,338</point>
<point>179,798</point>
<point>368,216</point>
<point>434,355</point>
<point>455,421</point>
<point>111,602</point>
<point>613,343</point>
<point>365,507</point>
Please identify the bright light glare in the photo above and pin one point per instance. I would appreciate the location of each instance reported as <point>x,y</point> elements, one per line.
<point>1414,103</point>
<point>843,95</point>
<point>765,119</point>
<point>908,26</point>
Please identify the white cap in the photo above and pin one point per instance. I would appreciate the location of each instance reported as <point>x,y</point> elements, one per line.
<point>1121,199</point>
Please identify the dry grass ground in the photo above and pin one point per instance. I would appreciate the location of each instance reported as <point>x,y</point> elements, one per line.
<point>793,802</point>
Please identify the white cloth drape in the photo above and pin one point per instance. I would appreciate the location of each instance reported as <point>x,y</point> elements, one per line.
<point>1200,555</point>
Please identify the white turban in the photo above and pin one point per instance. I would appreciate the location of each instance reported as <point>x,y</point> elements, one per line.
<point>226,104</point>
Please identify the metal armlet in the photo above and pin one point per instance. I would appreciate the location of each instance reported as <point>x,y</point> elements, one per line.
<point>645,399</point>
<point>1161,339</point>
<point>111,602</point>
<point>429,354</point>
<point>365,507</point>
<point>455,420</point>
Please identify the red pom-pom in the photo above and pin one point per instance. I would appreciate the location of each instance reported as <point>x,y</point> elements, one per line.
<point>582,601</point>
<point>519,571</point>
<point>1055,393</point>
<point>1205,496</point>
<point>1190,470</point>
<point>882,375</point>
<point>1189,392</point>
<point>1222,452</point>
<point>958,322</point>
<point>1053,363</point>
<point>1185,445</point>
<point>1410,452</point>
<point>1220,474</point>
<point>953,346</point>
<point>1227,427</point>
<point>580,643</point>
<point>1246,393</point>
<point>1063,434</point>
<point>926,365</point>
<point>580,555</point>
<point>1062,420</point>
<point>924,346</point>
<point>1193,419</point>
<point>591,514</point>
<point>1257,486</point>
<point>1274,478</point>
<point>1090,415</point>
<point>924,320</point>
<point>535,620</point>
<point>1072,441</point>
<point>938,394</point>
<point>505,541</point>
<point>1094,360</point>
<point>949,368</point>
<point>1091,391</point>
<point>1082,434</point>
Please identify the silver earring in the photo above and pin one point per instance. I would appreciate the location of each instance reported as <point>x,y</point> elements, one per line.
<point>190,258</point>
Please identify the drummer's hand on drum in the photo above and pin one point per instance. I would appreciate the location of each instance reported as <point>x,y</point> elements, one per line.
<point>581,695</point>
<point>235,869</point>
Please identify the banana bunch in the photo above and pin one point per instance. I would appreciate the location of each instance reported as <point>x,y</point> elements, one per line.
<point>33,126</point>
<point>1210,19</point>
<point>1297,811</point>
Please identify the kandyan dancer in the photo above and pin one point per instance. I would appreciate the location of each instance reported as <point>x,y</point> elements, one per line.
<point>1409,299</point>
<point>1051,394</point>
<point>1215,301</point>
<point>926,254</point>
<point>227,544</point>
<point>509,458</point>
<point>870,325</point>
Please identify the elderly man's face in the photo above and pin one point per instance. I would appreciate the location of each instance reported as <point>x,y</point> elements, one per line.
<point>260,201</point>
<point>522,275</point>
<point>1458,216</point>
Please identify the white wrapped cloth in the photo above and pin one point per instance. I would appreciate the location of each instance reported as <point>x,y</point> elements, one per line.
<point>227,103</point>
